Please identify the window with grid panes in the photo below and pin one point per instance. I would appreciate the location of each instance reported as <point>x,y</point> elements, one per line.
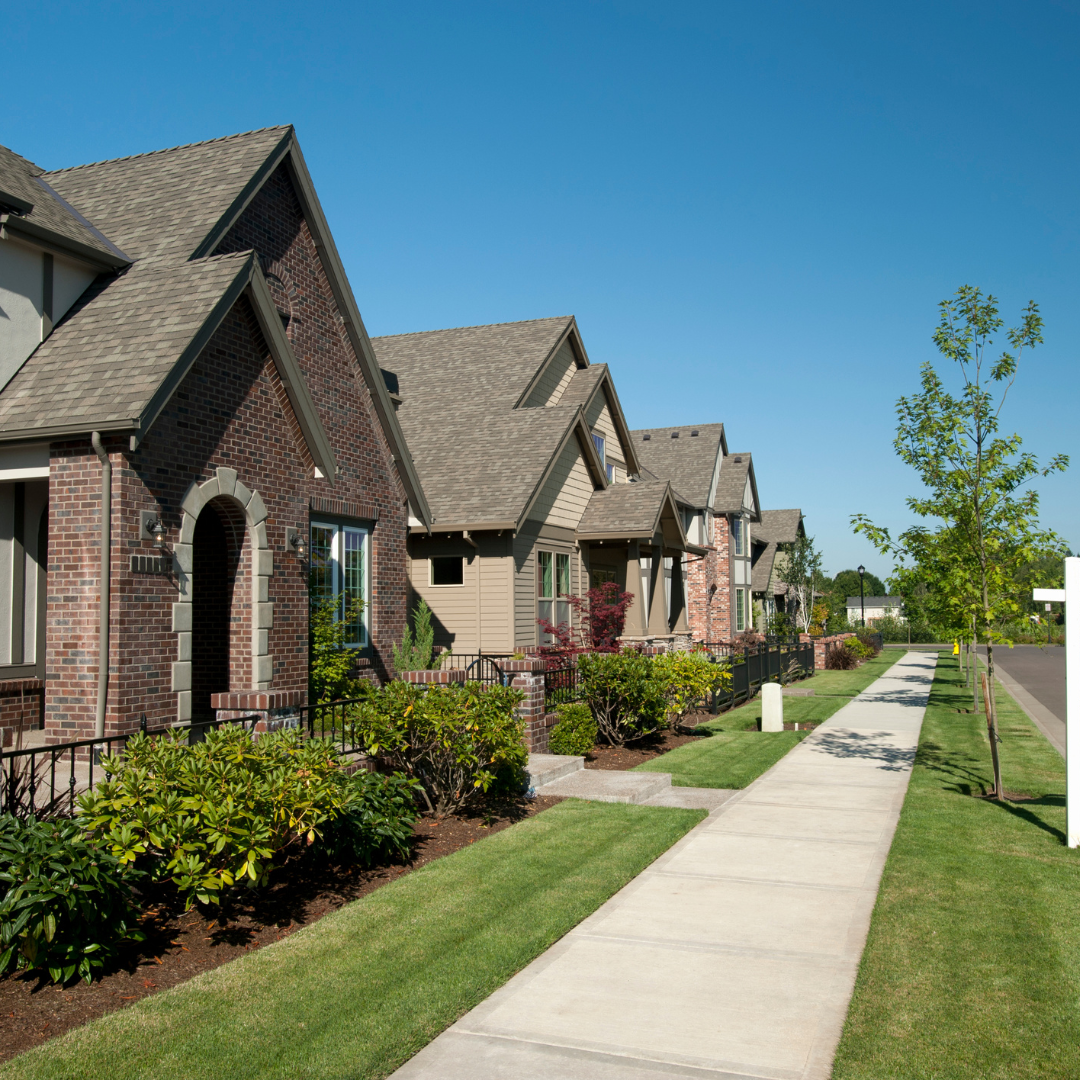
<point>740,609</point>
<point>552,590</point>
<point>340,572</point>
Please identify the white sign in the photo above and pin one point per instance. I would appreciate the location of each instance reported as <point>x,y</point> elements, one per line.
<point>1071,592</point>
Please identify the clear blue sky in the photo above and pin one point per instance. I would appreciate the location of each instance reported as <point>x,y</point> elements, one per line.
<point>752,209</point>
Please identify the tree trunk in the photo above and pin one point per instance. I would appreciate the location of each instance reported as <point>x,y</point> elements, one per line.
<point>991,730</point>
<point>975,669</point>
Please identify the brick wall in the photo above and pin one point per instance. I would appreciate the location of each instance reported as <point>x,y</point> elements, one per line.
<point>230,411</point>
<point>709,610</point>
<point>22,708</point>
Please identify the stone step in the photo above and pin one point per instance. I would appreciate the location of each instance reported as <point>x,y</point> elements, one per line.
<point>608,785</point>
<point>544,768</point>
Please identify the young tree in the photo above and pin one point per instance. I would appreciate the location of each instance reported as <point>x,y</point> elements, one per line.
<point>801,572</point>
<point>976,479</point>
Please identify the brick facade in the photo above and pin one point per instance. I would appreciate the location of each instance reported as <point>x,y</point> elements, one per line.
<point>708,588</point>
<point>22,708</point>
<point>230,412</point>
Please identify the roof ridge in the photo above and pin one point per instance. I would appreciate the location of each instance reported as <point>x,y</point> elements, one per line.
<point>670,427</point>
<point>167,149</point>
<point>477,326</point>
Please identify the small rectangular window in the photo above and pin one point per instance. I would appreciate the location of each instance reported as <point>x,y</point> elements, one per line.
<point>600,443</point>
<point>610,473</point>
<point>737,534</point>
<point>740,610</point>
<point>448,570</point>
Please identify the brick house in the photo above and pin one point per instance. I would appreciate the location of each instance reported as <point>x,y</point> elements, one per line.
<point>770,539</point>
<point>187,352</point>
<point>535,486</point>
<point>717,493</point>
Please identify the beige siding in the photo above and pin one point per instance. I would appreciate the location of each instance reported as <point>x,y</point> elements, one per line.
<point>526,544</point>
<point>455,607</point>
<point>567,491</point>
<point>598,417</point>
<point>554,380</point>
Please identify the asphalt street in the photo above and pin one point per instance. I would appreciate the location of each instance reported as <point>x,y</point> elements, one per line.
<point>1035,676</point>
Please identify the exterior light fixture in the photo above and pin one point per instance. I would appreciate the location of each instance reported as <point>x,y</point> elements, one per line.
<point>152,528</point>
<point>157,531</point>
<point>296,542</point>
<point>862,599</point>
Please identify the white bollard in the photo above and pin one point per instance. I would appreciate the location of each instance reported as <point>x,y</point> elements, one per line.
<point>772,707</point>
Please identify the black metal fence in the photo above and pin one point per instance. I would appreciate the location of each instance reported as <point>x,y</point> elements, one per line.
<point>781,661</point>
<point>46,780</point>
<point>479,667</point>
<point>562,686</point>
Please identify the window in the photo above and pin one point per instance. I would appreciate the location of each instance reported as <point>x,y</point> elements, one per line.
<point>339,571</point>
<point>552,590</point>
<point>448,570</point>
<point>598,575</point>
<point>23,550</point>
<point>600,443</point>
<point>610,473</point>
<point>740,610</point>
<point>737,534</point>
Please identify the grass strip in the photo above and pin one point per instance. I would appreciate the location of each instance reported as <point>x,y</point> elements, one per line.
<point>972,966</point>
<point>359,992</point>
<point>737,753</point>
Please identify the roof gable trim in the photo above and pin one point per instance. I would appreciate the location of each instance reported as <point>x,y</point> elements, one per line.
<point>576,347</point>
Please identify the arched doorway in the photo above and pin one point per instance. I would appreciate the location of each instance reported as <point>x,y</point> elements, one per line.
<point>211,616</point>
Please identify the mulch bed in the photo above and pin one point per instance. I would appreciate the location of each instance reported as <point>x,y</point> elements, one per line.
<point>180,945</point>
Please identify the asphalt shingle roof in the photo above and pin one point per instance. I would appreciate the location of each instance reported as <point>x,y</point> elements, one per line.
<point>731,486</point>
<point>107,358</point>
<point>624,509</point>
<point>687,461</point>
<point>478,457</point>
<point>582,384</point>
<point>19,177</point>
<point>779,526</point>
<point>166,202</point>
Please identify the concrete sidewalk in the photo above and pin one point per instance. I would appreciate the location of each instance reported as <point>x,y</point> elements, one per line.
<point>734,955</point>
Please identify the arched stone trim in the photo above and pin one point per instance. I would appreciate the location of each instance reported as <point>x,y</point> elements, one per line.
<point>223,485</point>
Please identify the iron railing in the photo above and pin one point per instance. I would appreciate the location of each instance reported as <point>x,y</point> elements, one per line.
<point>750,667</point>
<point>45,780</point>
<point>479,667</point>
<point>562,685</point>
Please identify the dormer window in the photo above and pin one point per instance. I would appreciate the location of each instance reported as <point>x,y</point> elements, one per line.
<point>610,473</point>
<point>601,443</point>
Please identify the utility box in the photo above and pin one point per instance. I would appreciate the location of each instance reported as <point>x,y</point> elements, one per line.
<point>772,707</point>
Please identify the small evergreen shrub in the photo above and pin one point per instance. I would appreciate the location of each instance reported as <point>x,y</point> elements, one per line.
<point>455,741</point>
<point>418,643</point>
<point>375,823</point>
<point>65,904</point>
<point>576,731</point>
<point>623,693</point>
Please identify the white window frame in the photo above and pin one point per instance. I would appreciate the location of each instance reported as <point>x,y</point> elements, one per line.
<point>601,447</point>
<point>431,572</point>
<point>737,535</point>
<point>740,610</point>
<point>556,606</point>
<point>341,533</point>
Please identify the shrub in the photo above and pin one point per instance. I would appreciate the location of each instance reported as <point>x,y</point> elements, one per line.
<point>869,641</point>
<point>66,903</point>
<point>454,740</point>
<point>575,733</point>
<point>688,677</point>
<point>748,639</point>
<point>862,650</point>
<point>623,694</point>
<point>839,658</point>
<point>375,823</point>
<point>418,643</point>
<point>332,662</point>
<point>209,816</point>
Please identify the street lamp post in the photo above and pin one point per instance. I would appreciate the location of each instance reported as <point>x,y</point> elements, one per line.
<point>862,599</point>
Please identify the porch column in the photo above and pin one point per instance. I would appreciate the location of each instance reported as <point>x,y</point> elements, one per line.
<point>679,625</point>
<point>635,616</point>
<point>658,608</point>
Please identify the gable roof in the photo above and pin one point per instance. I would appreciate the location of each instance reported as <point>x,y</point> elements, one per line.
<point>634,511</point>
<point>171,208</point>
<point>778,526</point>
<point>735,470</point>
<point>31,210</point>
<point>876,601</point>
<point>687,460</point>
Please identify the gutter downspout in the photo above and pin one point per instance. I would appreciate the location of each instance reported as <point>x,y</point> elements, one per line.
<point>106,561</point>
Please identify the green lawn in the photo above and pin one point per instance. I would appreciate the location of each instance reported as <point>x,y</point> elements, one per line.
<point>972,967</point>
<point>737,753</point>
<point>357,993</point>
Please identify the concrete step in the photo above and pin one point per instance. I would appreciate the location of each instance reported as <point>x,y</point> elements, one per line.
<point>543,768</point>
<point>608,785</point>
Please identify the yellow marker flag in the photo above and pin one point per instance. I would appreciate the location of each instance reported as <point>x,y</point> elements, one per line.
<point>956,648</point>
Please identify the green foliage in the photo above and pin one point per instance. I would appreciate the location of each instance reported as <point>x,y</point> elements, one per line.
<point>417,643</point>
<point>800,571</point>
<point>840,658</point>
<point>375,823</point>
<point>623,694</point>
<point>861,650</point>
<point>454,740</point>
<point>688,678</point>
<point>576,731</point>
<point>210,816</point>
<point>332,663</point>
<point>65,902</point>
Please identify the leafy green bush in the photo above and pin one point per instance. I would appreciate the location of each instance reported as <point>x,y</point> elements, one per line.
<point>332,662</point>
<point>688,678</point>
<point>375,823</point>
<point>623,694</point>
<point>576,731</point>
<point>862,650</point>
<point>65,903</point>
<point>212,815</point>
<point>455,740</point>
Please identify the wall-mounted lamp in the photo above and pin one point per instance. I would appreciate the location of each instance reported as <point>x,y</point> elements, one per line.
<point>296,542</point>
<point>152,528</point>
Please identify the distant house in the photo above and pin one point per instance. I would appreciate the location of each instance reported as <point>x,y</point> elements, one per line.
<point>876,607</point>
<point>771,537</point>
<point>535,486</point>
<point>717,494</point>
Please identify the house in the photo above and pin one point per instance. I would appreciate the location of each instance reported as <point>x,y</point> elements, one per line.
<point>533,483</point>
<point>717,494</point>
<point>876,607</point>
<point>770,537</point>
<point>192,421</point>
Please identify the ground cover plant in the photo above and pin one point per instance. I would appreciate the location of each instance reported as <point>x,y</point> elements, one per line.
<point>973,957</point>
<point>455,742</point>
<point>734,753</point>
<point>362,990</point>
